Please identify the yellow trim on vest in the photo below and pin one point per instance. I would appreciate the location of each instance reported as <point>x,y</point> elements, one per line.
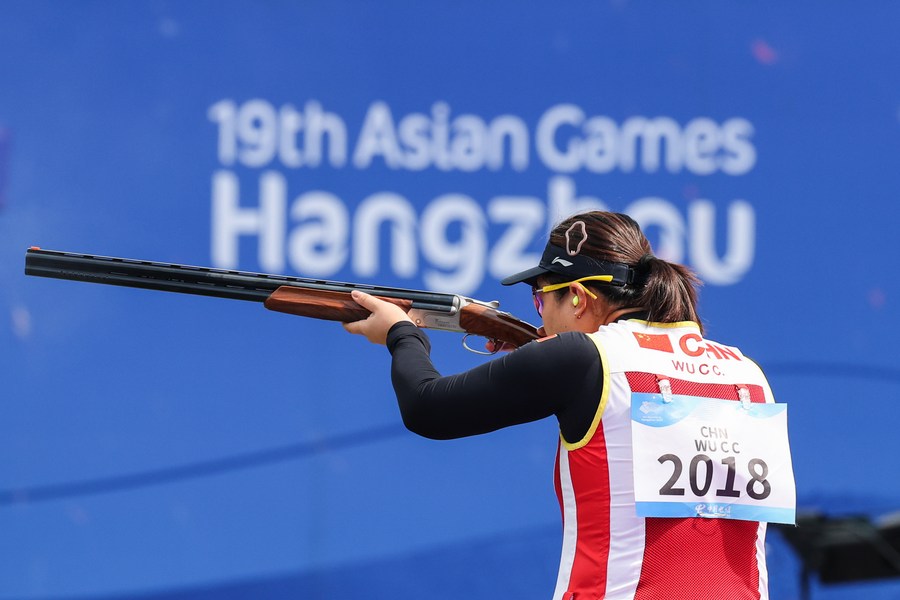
<point>604,396</point>
<point>667,325</point>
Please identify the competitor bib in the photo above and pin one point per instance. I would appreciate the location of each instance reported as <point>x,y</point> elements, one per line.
<point>701,457</point>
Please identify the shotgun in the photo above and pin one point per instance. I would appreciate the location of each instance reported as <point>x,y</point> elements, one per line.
<point>316,298</point>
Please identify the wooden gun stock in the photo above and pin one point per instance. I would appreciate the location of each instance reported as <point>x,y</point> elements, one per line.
<point>492,324</point>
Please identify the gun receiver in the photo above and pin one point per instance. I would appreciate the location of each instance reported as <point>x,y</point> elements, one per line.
<point>316,298</point>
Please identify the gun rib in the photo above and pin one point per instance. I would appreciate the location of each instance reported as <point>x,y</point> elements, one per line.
<point>204,281</point>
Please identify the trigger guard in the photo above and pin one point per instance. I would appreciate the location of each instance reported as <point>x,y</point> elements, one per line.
<point>481,352</point>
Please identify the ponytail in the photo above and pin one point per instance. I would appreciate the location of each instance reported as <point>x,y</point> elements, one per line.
<point>669,291</point>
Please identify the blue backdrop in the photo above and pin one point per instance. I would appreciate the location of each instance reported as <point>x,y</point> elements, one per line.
<point>163,446</point>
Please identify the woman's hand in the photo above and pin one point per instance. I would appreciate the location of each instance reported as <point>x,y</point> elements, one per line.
<point>384,316</point>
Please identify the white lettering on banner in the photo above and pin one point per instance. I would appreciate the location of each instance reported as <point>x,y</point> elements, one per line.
<point>256,134</point>
<point>450,241</point>
<point>741,230</point>
<point>457,269</point>
<point>372,213</point>
<point>662,216</point>
<point>319,244</point>
<point>419,141</point>
<point>524,217</point>
<point>230,220</point>
<point>568,141</point>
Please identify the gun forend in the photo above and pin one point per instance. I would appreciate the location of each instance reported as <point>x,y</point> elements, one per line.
<point>323,304</point>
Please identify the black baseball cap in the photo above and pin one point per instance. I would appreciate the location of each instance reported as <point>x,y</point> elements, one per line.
<point>558,260</point>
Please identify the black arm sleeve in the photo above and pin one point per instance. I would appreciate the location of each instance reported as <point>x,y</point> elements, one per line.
<point>559,376</point>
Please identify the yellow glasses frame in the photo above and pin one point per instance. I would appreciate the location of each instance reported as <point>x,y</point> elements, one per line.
<point>539,300</point>
<point>559,286</point>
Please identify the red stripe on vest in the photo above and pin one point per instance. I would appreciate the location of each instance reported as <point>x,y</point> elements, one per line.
<point>589,469</point>
<point>647,384</point>
<point>557,484</point>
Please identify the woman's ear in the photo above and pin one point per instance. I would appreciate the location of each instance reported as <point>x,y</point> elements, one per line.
<point>579,299</point>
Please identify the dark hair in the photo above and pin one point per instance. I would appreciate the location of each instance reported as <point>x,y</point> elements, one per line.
<point>667,291</point>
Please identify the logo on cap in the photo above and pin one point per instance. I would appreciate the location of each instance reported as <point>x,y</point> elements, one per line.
<point>576,235</point>
<point>561,261</point>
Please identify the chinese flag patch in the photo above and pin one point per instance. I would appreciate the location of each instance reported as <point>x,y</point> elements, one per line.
<point>654,341</point>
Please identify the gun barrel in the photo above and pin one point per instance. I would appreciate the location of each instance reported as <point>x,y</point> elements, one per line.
<point>204,281</point>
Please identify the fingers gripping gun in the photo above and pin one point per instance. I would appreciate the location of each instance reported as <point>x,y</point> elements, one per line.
<point>319,299</point>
